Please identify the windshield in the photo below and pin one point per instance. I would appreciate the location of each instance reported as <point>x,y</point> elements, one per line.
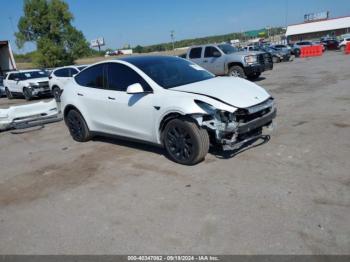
<point>171,72</point>
<point>33,74</point>
<point>228,49</point>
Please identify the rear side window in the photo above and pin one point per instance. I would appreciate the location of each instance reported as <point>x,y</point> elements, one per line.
<point>195,52</point>
<point>72,72</point>
<point>92,77</point>
<point>209,51</point>
<point>121,76</point>
<point>64,72</point>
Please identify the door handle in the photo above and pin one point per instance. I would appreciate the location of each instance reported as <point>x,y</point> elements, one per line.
<point>111,98</point>
<point>80,94</point>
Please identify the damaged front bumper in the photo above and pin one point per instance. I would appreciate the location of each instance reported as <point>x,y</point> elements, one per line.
<point>232,130</point>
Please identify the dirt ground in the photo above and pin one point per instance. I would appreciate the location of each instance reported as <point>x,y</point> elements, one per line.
<point>290,195</point>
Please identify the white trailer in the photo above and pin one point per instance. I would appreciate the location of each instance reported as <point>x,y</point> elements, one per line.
<point>7,61</point>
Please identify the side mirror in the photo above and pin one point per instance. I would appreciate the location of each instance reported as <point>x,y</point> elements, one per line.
<point>17,79</point>
<point>216,54</point>
<point>135,89</point>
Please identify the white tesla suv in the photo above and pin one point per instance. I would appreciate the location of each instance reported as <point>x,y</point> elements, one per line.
<point>60,77</point>
<point>168,101</point>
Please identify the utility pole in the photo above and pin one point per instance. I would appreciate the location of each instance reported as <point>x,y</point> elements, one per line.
<point>172,36</point>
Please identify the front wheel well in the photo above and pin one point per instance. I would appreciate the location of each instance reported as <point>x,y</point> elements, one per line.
<point>68,108</point>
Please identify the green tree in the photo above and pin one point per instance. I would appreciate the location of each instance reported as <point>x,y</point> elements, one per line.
<point>48,24</point>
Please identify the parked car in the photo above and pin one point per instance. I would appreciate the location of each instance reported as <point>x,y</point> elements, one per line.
<point>282,47</point>
<point>2,88</point>
<point>298,45</point>
<point>167,101</point>
<point>60,77</point>
<point>343,42</point>
<point>27,83</point>
<point>320,43</point>
<point>224,59</point>
<point>331,44</point>
<point>278,56</point>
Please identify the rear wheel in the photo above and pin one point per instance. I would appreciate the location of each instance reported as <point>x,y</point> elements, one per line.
<point>27,92</point>
<point>77,126</point>
<point>236,71</point>
<point>185,142</point>
<point>8,93</point>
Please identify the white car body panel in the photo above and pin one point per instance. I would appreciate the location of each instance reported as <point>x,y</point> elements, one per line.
<point>30,112</point>
<point>231,90</point>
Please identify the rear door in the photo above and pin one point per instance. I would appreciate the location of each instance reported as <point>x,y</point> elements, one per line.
<point>212,63</point>
<point>195,55</point>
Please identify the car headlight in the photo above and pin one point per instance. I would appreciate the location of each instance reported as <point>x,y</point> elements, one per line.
<point>33,85</point>
<point>205,106</point>
<point>250,59</point>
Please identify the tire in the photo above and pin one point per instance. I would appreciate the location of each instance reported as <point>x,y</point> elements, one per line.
<point>254,76</point>
<point>275,59</point>
<point>185,142</point>
<point>77,126</point>
<point>27,93</point>
<point>56,92</point>
<point>236,71</point>
<point>8,93</point>
<point>297,52</point>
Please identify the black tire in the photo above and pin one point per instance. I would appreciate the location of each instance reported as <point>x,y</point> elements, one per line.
<point>9,95</point>
<point>254,76</point>
<point>27,93</point>
<point>297,52</point>
<point>236,71</point>
<point>276,59</point>
<point>77,126</point>
<point>56,92</point>
<point>185,142</point>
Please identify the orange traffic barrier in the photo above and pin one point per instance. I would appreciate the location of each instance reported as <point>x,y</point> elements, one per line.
<point>347,49</point>
<point>307,51</point>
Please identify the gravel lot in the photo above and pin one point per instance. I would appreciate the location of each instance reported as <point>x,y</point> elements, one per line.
<point>290,195</point>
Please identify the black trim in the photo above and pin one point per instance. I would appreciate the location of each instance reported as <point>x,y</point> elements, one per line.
<point>256,123</point>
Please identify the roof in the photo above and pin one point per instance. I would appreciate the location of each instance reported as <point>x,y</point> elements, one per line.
<point>319,26</point>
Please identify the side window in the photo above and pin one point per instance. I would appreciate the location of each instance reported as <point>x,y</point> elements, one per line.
<point>64,72</point>
<point>195,53</point>
<point>11,77</point>
<point>92,77</point>
<point>72,72</point>
<point>121,76</point>
<point>209,51</point>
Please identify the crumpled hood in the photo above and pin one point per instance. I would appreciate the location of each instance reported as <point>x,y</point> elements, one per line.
<point>234,91</point>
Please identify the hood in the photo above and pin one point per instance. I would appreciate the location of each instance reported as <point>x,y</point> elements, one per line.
<point>234,91</point>
<point>36,80</point>
<point>247,53</point>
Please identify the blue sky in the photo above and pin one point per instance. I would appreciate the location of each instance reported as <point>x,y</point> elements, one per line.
<point>147,22</point>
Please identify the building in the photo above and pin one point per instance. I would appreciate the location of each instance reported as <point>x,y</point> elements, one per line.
<point>7,61</point>
<point>315,30</point>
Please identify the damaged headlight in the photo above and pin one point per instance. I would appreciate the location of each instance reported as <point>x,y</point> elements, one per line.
<point>205,106</point>
<point>34,85</point>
